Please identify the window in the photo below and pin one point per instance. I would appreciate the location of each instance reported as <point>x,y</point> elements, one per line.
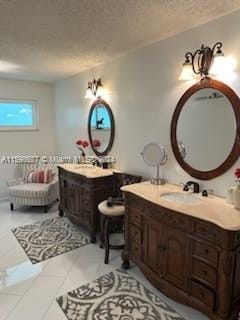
<point>18,115</point>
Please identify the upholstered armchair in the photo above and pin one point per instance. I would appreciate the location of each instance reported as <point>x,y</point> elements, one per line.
<point>33,194</point>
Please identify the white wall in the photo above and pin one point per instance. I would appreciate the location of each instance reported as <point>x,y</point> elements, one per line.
<point>144,89</point>
<point>27,142</point>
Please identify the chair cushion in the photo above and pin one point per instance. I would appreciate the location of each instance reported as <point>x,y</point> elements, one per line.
<point>111,211</point>
<point>29,190</point>
<point>39,176</point>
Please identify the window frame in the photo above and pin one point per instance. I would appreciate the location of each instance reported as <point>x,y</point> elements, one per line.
<point>35,118</point>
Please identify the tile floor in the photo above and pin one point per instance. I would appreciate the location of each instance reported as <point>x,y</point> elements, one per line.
<point>29,291</point>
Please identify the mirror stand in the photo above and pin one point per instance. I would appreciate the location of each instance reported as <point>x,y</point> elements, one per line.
<point>158,180</point>
<point>154,155</point>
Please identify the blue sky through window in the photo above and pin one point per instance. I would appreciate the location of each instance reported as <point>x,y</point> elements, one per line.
<point>16,114</point>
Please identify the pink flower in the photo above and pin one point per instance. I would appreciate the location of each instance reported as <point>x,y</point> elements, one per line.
<point>96,143</point>
<point>237,173</point>
<point>85,144</point>
<point>79,142</point>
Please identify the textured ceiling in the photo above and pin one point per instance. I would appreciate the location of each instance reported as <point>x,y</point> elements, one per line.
<point>48,40</point>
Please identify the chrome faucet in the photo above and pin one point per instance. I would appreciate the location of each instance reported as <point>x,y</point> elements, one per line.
<point>195,185</point>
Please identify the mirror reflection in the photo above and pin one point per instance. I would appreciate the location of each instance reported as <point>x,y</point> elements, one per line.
<point>206,129</point>
<point>101,127</point>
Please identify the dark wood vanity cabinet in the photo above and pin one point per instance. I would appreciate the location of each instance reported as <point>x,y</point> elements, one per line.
<point>80,196</point>
<point>188,259</point>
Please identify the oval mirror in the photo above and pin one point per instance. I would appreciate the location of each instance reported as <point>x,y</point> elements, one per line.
<point>205,130</point>
<point>101,127</point>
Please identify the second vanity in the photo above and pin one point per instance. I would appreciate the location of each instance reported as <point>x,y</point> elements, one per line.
<point>82,188</point>
<point>187,246</point>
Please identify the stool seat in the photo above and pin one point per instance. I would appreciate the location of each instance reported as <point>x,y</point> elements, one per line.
<point>114,211</point>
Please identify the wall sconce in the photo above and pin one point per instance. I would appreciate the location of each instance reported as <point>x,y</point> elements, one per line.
<point>94,89</point>
<point>202,62</point>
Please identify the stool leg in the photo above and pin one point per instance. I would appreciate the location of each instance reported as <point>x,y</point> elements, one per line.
<point>101,231</point>
<point>106,239</point>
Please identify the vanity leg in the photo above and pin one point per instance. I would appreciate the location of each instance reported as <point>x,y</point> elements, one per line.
<point>106,239</point>
<point>60,211</point>
<point>126,262</point>
<point>93,237</point>
<point>101,245</point>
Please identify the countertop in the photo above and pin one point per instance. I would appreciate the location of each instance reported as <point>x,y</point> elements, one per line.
<point>87,170</point>
<point>212,209</point>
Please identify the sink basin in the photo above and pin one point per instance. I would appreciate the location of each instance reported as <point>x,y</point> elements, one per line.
<point>181,197</point>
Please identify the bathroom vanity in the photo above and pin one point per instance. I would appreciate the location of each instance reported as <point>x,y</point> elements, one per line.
<point>82,188</point>
<point>188,246</point>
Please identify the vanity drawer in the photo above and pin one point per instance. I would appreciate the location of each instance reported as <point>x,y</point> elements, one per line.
<point>135,249</point>
<point>135,217</point>
<point>207,231</point>
<point>135,203</point>
<point>206,252</point>
<point>135,233</point>
<point>177,220</point>
<point>203,294</point>
<point>202,271</point>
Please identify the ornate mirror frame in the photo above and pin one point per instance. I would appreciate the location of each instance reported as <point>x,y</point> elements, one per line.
<point>110,143</point>
<point>235,152</point>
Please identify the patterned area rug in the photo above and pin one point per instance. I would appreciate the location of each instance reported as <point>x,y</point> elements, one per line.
<point>46,239</point>
<point>115,296</point>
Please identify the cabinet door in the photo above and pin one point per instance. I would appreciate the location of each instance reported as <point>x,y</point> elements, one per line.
<point>175,257</point>
<point>152,238</point>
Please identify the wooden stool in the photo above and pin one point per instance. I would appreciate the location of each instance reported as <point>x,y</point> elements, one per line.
<point>116,212</point>
<point>108,215</point>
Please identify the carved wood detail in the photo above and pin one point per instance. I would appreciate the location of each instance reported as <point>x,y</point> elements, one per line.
<point>80,196</point>
<point>190,260</point>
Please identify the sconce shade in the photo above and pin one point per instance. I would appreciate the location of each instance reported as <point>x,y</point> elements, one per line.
<point>187,72</point>
<point>100,90</point>
<point>89,94</point>
<point>218,65</point>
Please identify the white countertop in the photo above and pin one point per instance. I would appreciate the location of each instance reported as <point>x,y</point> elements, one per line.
<point>211,208</point>
<point>87,170</point>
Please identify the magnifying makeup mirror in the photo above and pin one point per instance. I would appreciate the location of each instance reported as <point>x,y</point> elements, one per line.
<point>154,155</point>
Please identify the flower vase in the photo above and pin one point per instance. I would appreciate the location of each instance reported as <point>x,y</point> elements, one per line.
<point>83,158</point>
<point>236,197</point>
